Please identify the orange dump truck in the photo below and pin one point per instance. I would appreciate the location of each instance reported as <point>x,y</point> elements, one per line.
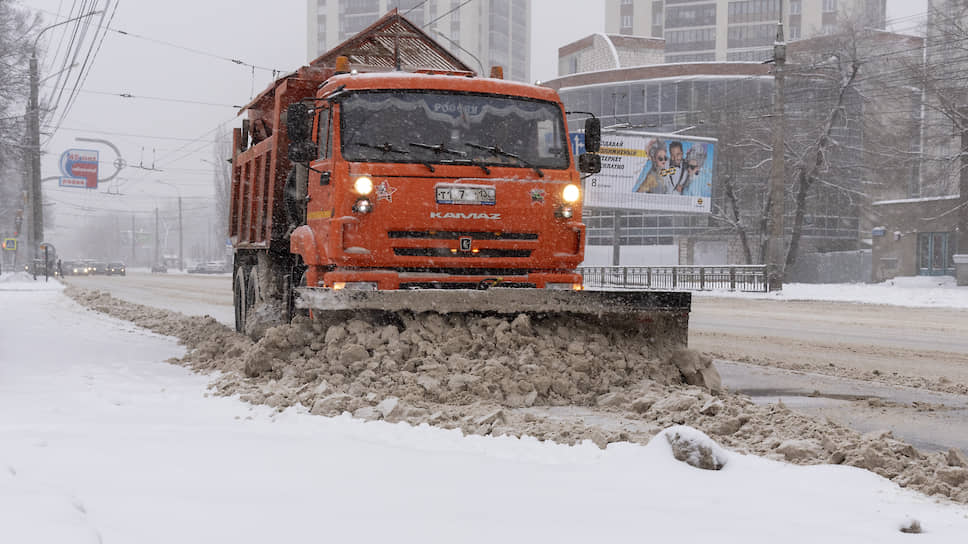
<point>388,176</point>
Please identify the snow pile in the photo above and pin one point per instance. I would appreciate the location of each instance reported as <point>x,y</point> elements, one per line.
<point>554,379</point>
<point>913,291</point>
<point>22,281</point>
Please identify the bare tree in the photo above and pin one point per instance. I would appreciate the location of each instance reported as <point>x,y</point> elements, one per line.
<point>15,27</point>
<point>222,179</point>
<point>849,136</point>
<point>945,96</point>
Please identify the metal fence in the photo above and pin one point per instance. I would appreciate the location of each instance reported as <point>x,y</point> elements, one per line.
<point>673,278</point>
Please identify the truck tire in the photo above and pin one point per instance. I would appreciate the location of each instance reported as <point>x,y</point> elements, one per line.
<point>240,299</point>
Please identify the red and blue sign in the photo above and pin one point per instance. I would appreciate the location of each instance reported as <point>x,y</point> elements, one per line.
<point>79,168</point>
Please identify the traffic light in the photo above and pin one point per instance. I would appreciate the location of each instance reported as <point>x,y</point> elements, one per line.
<point>18,220</point>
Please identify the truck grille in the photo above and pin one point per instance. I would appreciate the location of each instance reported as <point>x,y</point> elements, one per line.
<point>454,235</point>
<point>446,252</point>
<point>462,285</point>
<point>465,271</point>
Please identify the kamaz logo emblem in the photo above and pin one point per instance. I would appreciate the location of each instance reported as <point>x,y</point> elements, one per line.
<point>461,215</point>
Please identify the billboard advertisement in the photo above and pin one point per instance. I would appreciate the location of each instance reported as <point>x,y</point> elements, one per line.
<point>79,168</point>
<point>648,171</point>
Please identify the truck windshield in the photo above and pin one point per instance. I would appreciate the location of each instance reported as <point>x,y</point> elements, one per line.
<point>458,128</point>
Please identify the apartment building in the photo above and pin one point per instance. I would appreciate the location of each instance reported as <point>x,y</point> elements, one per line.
<point>731,30</point>
<point>482,34</point>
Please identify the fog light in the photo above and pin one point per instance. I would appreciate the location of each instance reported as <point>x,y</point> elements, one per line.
<point>360,286</point>
<point>363,205</point>
<point>564,286</point>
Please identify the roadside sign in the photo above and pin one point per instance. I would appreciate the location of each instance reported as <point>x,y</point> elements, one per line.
<point>79,168</point>
<point>10,244</point>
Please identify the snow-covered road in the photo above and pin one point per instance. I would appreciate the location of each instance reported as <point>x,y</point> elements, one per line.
<point>100,441</point>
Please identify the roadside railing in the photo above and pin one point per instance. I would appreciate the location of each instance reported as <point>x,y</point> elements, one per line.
<point>676,278</point>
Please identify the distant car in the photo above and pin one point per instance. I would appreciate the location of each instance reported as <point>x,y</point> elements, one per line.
<point>74,268</point>
<point>159,267</point>
<point>116,268</point>
<point>211,267</point>
<point>99,268</point>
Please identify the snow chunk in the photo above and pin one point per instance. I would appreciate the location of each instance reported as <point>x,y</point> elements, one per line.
<point>693,447</point>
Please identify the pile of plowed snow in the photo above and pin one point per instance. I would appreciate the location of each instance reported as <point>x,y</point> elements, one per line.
<point>553,378</point>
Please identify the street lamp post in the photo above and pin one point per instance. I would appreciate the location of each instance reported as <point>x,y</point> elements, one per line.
<point>36,232</point>
<point>181,247</point>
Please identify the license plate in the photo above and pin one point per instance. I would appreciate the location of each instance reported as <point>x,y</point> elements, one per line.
<point>458,194</point>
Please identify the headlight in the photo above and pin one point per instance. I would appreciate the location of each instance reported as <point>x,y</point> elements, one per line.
<point>355,285</point>
<point>363,185</point>
<point>571,193</point>
<point>363,205</point>
<point>564,286</point>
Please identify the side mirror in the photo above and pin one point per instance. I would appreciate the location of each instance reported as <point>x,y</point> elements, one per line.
<point>298,128</point>
<point>593,134</point>
<point>589,163</point>
<point>297,122</point>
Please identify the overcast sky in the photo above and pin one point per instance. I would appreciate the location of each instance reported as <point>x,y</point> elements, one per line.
<point>165,79</point>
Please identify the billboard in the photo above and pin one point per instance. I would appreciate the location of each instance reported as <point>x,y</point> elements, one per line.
<point>648,171</point>
<point>79,168</point>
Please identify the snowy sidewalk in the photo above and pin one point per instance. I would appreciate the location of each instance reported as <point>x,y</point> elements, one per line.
<point>100,441</point>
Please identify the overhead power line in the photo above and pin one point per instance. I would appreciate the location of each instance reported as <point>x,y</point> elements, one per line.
<point>166,43</point>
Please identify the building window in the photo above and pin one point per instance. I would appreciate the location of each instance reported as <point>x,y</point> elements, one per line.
<point>751,11</point>
<point>829,6</point>
<point>750,35</point>
<point>795,7</point>
<point>693,15</point>
<point>697,39</point>
<point>626,21</point>
<point>794,32</point>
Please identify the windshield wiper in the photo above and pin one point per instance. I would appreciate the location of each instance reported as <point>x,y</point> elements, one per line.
<point>387,147</point>
<point>495,150</point>
<point>471,162</point>
<point>439,148</point>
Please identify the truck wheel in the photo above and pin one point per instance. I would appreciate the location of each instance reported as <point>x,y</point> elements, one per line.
<point>240,299</point>
<point>255,288</point>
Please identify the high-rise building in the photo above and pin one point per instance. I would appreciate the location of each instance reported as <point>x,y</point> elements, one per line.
<point>482,33</point>
<point>731,30</point>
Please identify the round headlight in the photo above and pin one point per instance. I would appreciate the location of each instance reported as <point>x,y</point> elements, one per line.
<point>363,185</point>
<point>571,193</point>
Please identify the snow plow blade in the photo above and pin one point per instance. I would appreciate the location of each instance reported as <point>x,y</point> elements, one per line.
<point>662,314</point>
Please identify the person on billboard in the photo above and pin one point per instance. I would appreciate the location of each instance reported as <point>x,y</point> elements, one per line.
<point>691,185</point>
<point>648,179</point>
<point>671,177</point>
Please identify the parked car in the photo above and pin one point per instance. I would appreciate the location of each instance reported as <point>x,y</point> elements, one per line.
<point>116,268</point>
<point>159,267</point>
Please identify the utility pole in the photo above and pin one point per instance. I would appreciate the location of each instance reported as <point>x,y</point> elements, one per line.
<point>181,254</point>
<point>961,256</point>
<point>157,242</point>
<point>777,191</point>
<point>36,233</point>
<point>133,242</point>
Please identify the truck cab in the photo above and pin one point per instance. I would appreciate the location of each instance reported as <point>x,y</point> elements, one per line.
<point>421,180</point>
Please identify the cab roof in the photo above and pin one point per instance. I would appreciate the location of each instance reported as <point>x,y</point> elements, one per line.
<point>421,81</point>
